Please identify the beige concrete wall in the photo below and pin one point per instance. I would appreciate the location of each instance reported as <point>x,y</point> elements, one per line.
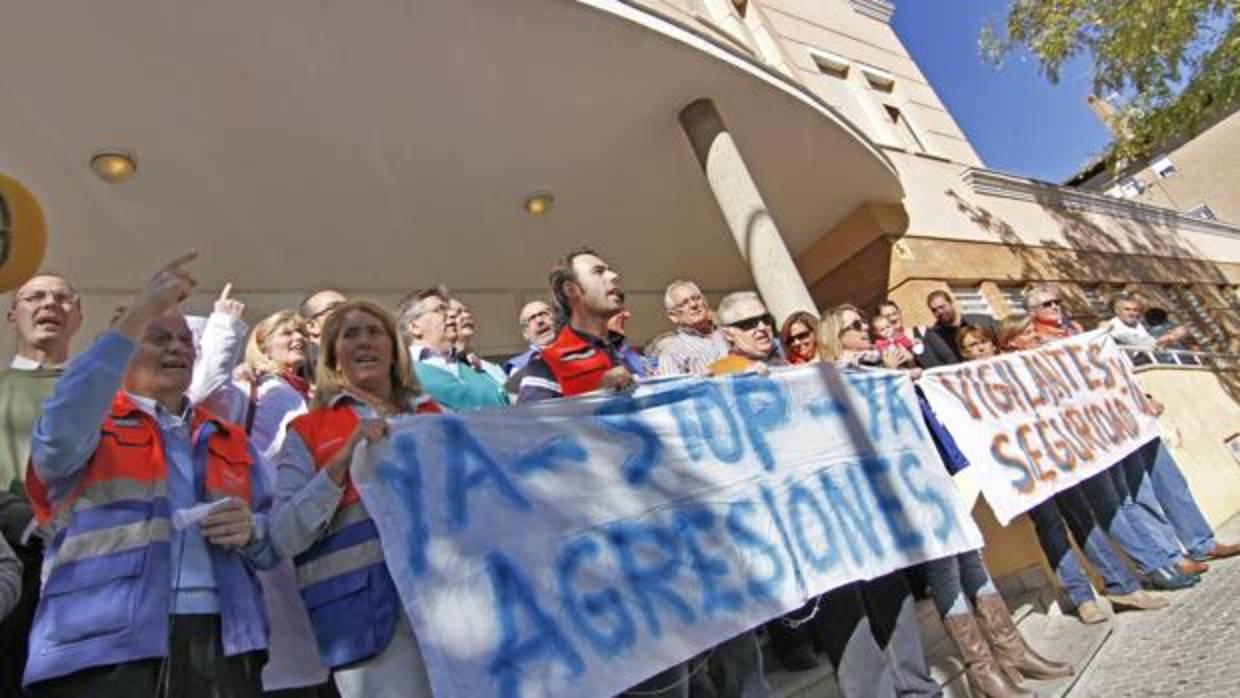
<point>1207,169</point>
<point>940,204</point>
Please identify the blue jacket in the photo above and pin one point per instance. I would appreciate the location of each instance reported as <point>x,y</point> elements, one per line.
<point>102,495</point>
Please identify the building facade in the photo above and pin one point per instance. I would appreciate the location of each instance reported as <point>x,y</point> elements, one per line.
<point>789,145</point>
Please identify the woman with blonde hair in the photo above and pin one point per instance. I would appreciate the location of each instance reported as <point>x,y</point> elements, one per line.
<point>363,376</point>
<point>1016,334</point>
<point>844,338</point>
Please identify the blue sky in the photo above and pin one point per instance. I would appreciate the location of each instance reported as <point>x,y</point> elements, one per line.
<point>1018,122</point>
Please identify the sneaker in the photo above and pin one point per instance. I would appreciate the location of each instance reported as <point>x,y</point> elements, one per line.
<point>1091,613</point>
<point>1168,579</point>
<point>1139,600</point>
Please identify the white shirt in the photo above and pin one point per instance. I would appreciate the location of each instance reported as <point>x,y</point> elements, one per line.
<point>22,363</point>
<point>1132,336</point>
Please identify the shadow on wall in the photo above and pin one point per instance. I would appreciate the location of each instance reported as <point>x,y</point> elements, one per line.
<point>1152,256</point>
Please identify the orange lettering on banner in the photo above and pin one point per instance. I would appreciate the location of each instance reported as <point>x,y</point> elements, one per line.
<point>1125,413</point>
<point>1074,351</point>
<point>1044,395</point>
<point>998,449</point>
<point>1108,378</point>
<point>1033,455</point>
<point>1080,448</point>
<point>1077,423</point>
<point>996,392</point>
<point>981,394</point>
<point>1044,384</point>
<point>1014,386</point>
<point>962,393</point>
<point>1060,453</point>
<point>1057,355</point>
<point>1052,378</point>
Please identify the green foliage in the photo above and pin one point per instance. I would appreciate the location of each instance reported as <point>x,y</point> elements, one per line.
<point>1167,66</point>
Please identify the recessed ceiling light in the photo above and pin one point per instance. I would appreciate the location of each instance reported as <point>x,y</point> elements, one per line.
<point>113,166</point>
<point>538,203</point>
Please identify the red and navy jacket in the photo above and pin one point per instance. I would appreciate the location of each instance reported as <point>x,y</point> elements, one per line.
<point>571,365</point>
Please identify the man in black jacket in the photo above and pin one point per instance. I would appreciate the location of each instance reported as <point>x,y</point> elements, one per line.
<point>940,338</point>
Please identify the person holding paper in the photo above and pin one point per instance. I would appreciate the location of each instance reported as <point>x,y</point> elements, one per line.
<point>129,606</point>
<point>363,376</point>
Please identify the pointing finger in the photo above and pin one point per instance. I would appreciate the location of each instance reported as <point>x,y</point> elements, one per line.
<point>227,290</point>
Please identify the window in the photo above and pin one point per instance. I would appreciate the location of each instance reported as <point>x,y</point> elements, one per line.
<point>1014,299</point>
<point>880,80</point>
<point>1201,211</point>
<point>1131,188</point>
<point>1098,298</point>
<point>904,129</point>
<point>830,64</point>
<point>1163,167</point>
<point>971,300</point>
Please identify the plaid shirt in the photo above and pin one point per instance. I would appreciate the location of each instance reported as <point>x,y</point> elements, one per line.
<point>690,352</point>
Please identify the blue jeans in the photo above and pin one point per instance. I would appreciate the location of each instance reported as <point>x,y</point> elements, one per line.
<point>1072,506</point>
<point>956,580</point>
<point>1163,494</point>
<point>1138,534</point>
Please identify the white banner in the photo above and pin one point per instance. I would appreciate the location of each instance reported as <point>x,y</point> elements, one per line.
<point>577,547</point>
<point>1037,422</point>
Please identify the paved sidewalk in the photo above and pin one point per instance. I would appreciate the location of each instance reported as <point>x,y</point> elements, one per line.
<point>1188,649</point>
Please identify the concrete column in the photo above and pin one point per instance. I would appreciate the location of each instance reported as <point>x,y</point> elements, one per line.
<point>753,229</point>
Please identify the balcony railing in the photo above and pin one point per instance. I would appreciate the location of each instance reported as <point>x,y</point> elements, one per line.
<point>1183,358</point>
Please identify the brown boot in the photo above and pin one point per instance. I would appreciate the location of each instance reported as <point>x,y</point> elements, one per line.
<point>1014,655</point>
<point>985,678</point>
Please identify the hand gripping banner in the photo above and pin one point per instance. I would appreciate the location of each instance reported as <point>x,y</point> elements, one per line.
<point>577,547</point>
<point>1037,422</point>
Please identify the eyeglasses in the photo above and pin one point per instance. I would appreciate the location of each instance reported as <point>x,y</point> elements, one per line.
<point>1054,302</point>
<point>540,315</point>
<point>686,302</point>
<point>801,337</point>
<point>325,311</point>
<point>41,297</point>
<point>750,323</point>
<point>855,325</point>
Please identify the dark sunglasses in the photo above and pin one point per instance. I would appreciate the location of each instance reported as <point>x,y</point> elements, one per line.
<point>801,336</point>
<point>1052,302</point>
<point>750,323</point>
<point>855,325</point>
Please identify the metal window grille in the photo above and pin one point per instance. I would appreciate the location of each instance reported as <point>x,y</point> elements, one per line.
<point>1014,297</point>
<point>970,300</point>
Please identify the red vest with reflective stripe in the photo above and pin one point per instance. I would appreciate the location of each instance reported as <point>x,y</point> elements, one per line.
<point>577,365</point>
<point>108,587</point>
<point>345,585</point>
<point>130,450</point>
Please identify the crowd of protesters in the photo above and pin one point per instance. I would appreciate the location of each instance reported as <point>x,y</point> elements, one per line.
<point>178,517</point>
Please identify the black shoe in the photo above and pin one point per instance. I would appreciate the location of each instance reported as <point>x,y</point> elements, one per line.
<point>1168,579</point>
<point>801,658</point>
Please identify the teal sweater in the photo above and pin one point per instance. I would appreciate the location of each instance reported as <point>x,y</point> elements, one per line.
<point>473,390</point>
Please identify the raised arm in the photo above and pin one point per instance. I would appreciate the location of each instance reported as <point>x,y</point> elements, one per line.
<point>67,430</point>
<point>222,340</point>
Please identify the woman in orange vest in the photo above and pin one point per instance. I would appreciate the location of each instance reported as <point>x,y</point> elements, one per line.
<point>363,376</point>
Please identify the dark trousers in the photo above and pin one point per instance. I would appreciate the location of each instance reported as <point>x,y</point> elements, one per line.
<point>196,667</point>
<point>15,628</point>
